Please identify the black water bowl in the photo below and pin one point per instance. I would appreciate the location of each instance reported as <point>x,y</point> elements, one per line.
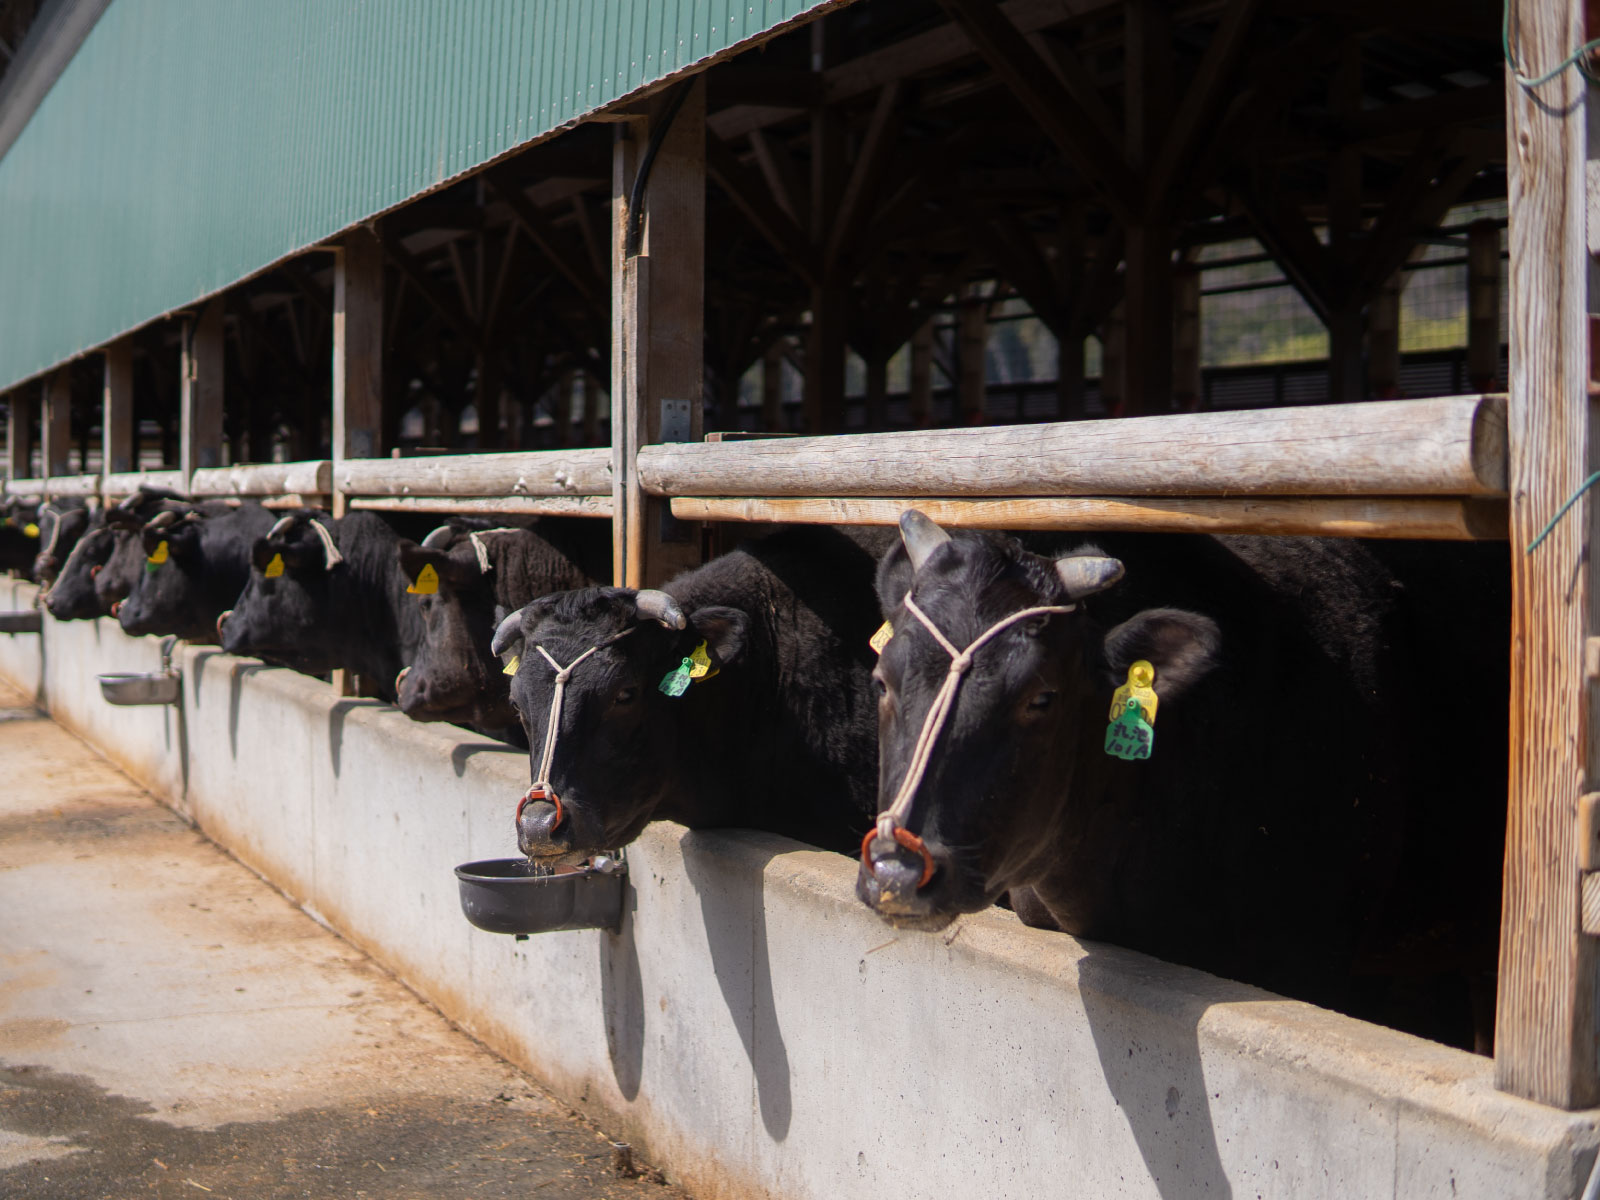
<point>502,895</point>
<point>22,621</point>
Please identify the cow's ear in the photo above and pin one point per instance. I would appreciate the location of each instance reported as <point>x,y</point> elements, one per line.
<point>1181,646</point>
<point>725,630</point>
<point>262,552</point>
<point>895,574</point>
<point>414,557</point>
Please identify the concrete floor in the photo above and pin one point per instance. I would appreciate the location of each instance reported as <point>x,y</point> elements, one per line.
<point>170,1026</point>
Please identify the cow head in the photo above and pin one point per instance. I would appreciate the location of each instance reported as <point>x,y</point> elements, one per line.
<point>622,744</point>
<point>74,595</point>
<point>283,611</point>
<point>59,531</point>
<point>1013,771</point>
<point>167,595</point>
<point>452,677</point>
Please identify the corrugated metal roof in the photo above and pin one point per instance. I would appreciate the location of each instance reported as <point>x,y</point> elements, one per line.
<point>191,143</point>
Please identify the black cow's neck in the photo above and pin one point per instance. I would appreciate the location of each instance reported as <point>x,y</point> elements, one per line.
<point>378,620</point>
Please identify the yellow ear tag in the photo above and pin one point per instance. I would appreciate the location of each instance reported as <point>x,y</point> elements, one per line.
<point>511,667</point>
<point>160,555</point>
<point>427,583</point>
<point>881,639</point>
<point>1140,677</point>
<point>30,530</point>
<point>700,663</point>
<point>275,567</point>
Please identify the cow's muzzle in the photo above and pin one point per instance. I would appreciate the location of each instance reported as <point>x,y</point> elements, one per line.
<point>542,828</point>
<point>894,870</point>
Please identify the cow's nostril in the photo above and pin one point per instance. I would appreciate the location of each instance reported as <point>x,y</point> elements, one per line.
<point>537,823</point>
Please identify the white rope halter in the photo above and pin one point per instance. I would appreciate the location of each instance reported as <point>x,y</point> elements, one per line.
<point>553,727</point>
<point>933,724</point>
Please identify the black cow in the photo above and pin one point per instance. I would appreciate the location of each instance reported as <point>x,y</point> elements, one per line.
<point>108,558</point>
<point>61,524</point>
<point>477,577</point>
<point>779,737</point>
<point>1297,739</point>
<point>195,565</point>
<point>326,594</point>
<point>19,538</point>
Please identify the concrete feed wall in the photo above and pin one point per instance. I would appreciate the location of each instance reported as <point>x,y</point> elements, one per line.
<point>759,1033</point>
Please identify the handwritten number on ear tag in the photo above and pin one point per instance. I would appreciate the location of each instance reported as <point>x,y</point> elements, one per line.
<point>160,556</point>
<point>427,583</point>
<point>700,663</point>
<point>512,666</point>
<point>676,681</point>
<point>275,567</point>
<point>881,639</point>
<point>1131,734</point>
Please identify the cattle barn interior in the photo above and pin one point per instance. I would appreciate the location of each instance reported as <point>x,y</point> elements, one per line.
<point>752,289</point>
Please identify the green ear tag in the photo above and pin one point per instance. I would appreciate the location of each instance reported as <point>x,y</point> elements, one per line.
<point>676,681</point>
<point>1130,736</point>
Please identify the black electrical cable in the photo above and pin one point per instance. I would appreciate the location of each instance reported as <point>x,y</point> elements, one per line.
<point>630,244</point>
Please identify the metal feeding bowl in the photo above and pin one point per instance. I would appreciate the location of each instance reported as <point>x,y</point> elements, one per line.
<point>25,621</point>
<point>160,687</point>
<point>504,895</point>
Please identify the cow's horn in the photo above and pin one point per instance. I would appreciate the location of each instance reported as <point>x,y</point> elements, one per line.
<point>921,536</point>
<point>1086,574</point>
<point>162,520</point>
<point>507,632</point>
<point>440,538</point>
<point>659,606</point>
<point>281,527</point>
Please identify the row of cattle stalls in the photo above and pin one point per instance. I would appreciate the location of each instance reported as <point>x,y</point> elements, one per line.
<point>693,265</point>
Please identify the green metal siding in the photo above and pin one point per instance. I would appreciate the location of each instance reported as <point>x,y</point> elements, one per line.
<point>190,143</point>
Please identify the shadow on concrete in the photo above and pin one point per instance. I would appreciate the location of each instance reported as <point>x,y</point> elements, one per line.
<point>732,903</point>
<point>337,716</point>
<point>1156,1078</point>
<point>622,999</point>
<point>235,694</point>
<point>462,751</point>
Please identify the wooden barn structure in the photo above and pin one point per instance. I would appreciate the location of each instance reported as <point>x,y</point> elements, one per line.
<point>496,257</point>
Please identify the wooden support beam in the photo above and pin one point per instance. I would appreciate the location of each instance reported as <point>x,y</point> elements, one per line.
<point>1036,88</point>
<point>264,479</point>
<point>765,215</point>
<point>1546,1018</point>
<point>1452,446</point>
<point>21,408</point>
<point>848,218</point>
<point>357,350</point>
<point>118,449</point>
<point>658,335</point>
<point>1375,517</point>
<point>449,311</point>
<point>1383,340</point>
<point>1483,305</point>
<point>55,424</point>
<point>591,408</point>
<point>772,418</point>
<point>825,360</point>
<point>584,472</point>
<point>1187,387</point>
<point>200,396</point>
<point>543,506</point>
<point>552,244</point>
<point>1286,235</point>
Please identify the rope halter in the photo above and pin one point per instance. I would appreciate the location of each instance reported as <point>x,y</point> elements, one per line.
<point>891,824</point>
<point>541,789</point>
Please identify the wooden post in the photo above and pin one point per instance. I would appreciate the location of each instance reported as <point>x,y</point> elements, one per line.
<point>357,353</point>
<point>657,331</point>
<point>1148,326</point>
<point>1383,339</point>
<point>772,387</point>
<point>1346,333</point>
<point>200,393</point>
<point>825,356</point>
<point>1545,1024</point>
<point>1186,389</point>
<point>55,424</point>
<point>1483,306</point>
<point>971,352</point>
<point>19,433</point>
<point>118,452</point>
<point>922,376</point>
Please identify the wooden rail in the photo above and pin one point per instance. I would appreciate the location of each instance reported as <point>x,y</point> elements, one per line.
<point>1454,446</point>
<point>544,506</point>
<point>538,473</point>
<point>1444,519</point>
<point>264,479</point>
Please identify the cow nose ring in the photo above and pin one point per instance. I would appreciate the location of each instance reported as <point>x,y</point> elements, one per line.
<point>904,837</point>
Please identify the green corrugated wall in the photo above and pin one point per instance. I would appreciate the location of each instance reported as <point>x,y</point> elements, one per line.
<point>190,143</point>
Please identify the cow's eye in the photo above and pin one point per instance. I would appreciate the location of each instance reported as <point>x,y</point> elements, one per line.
<point>1042,700</point>
<point>626,695</point>
<point>879,686</point>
